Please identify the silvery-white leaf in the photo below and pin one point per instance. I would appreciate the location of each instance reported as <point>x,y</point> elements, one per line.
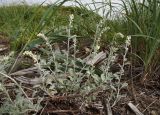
<point>1,87</point>
<point>71,78</point>
<point>103,77</point>
<point>95,77</point>
<point>124,85</point>
<point>61,81</point>
<point>112,87</point>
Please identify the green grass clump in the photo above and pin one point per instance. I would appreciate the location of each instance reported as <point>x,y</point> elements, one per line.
<point>21,20</point>
<point>143,23</point>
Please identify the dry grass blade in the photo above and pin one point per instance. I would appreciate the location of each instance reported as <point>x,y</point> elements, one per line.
<point>134,109</point>
<point>25,71</point>
<point>96,59</point>
<point>31,81</point>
